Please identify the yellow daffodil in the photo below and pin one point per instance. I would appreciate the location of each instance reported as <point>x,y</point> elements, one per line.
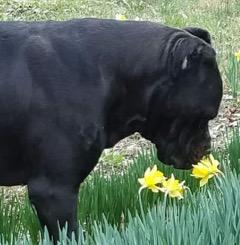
<point>206,169</point>
<point>152,177</point>
<point>173,188</point>
<point>237,55</point>
<point>120,17</point>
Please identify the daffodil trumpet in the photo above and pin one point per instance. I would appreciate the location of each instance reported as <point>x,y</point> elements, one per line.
<point>173,188</point>
<point>206,169</point>
<point>155,181</point>
<point>151,180</point>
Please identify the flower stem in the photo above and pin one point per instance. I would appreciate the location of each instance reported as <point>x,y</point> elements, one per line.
<point>141,207</point>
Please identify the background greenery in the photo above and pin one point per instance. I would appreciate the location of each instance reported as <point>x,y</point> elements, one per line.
<point>109,211</point>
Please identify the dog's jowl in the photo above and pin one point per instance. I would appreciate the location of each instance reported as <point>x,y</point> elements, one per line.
<point>70,89</point>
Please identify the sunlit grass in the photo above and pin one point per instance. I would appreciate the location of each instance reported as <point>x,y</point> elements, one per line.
<point>232,72</point>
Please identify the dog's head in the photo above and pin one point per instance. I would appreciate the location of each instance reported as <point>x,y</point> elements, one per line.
<point>178,122</point>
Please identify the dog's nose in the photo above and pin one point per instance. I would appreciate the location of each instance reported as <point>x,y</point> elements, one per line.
<point>206,146</point>
<point>180,163</point>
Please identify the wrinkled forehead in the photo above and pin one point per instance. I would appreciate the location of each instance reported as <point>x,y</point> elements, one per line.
<point>193,105</point>
<point>173,126</point>
<point>197,92</point>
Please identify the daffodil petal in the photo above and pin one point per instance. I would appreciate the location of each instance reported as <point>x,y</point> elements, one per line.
<point>141,181</point>
<point>162,189</point>
<point>199,172</point>
<point>220,172</point>
<point>203,181</point>
<point>175,194</point>
<point>173,187</point>
<point>147,172</point>
<point>154,189</point>
<point>154,169</point>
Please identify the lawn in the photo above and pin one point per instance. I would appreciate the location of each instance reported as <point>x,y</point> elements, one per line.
<point>109,207</point>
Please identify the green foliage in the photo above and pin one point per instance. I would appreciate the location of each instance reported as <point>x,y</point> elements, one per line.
<point>110,204</point>
<point>233,149</point>
<point>205,217</point>
<point>121,192</point>
<point>208,217</point>
<point>17,219</point>
<point>233,75</point>
<point>112,158</point>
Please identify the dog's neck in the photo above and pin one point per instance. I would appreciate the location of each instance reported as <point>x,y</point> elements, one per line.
<point>124,118</point>
<point>131,111</point>
<point>134,76</point>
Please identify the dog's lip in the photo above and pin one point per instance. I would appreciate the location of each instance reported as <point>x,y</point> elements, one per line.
<point>185,163</point>
<point>184,167</point>
<point>180,164</point>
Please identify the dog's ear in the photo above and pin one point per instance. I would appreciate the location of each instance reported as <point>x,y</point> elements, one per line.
<point>188,54</point>
<point>191,57</point>
<point>185,55</point>
<point>198,32</point>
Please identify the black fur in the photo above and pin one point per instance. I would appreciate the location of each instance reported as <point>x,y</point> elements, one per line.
<point>70,89</point>
<point>199,32</point>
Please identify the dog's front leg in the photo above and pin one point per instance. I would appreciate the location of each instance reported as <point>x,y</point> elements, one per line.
<point>55,203</point>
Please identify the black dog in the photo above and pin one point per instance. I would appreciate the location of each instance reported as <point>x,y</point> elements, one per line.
<point>70,89</point>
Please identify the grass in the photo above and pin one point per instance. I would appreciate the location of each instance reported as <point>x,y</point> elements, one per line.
<point>109,210</point>
<point>205,216</point>
<point>233,75</point>
<point>233,147</point>
<point>109,206</point>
